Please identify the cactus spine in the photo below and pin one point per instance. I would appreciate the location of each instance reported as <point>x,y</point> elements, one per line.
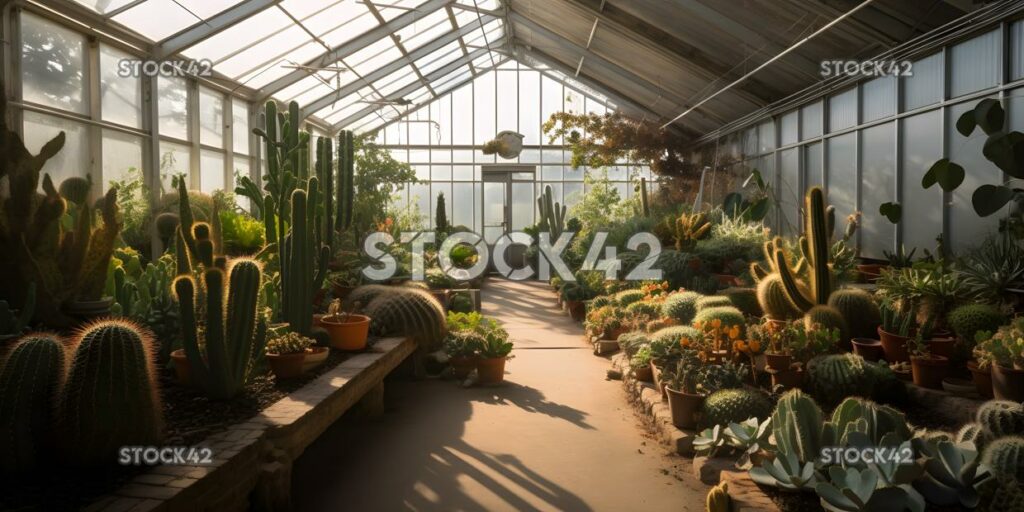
<point>111,398</point>
<point>29,383</point>
<point>552,214</point>
<point>231,343</point>
<point>299,279</point>
<point>1000,418</point>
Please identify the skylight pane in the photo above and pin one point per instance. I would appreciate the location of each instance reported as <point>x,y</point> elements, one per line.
<point>157,19</point>
<point>208,8</point>
<point>268,74</point>
<point>355,27</point>
<point>259,55</point>
<point>435,60</point>
<point>391,9</point>
<point>104,6</point>
<point>374,56</point>
<point>397,80</point>
<point>425,29</point>
<point>240,36</point>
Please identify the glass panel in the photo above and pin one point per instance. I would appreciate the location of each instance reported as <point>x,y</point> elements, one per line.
<point>921,136</point>
<point>966,227</point>
<point>878,186</point>
<point>157,19</point>
<point>240,125</point>
<point>749,141</point>
<point>529,106</point>
<point>462,204</point>
<point>789,191</point>
<point>121,153</point>
<point>72,161</point>
<point>812,166</point>
<point>975,64</point>
<point>766,136</point>
<point>211,167</point>
<point>53,64</point>
<point>842,110</point>
<point>121,96</point>
<point>175,159</point>
<point>1017,50</point>
<point>173,106</point>
<point>508,101</point>
<point>439,188</point>
<point>842,178</point>
<point>879,98</point>
<point>462,114</point>
<point>790,128</point>
<point>484,109</point>
<point>104,6</point>
<point>810,121</point>
<point>925,86</point>
<point>494,210</point>
<point>211,118</point>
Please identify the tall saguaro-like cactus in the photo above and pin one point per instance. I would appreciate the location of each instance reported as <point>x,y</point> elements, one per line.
<point>346,180</point>
<point>303,263</point>
<point>233,335</point>
<point>325,173</point>
<point>552,214</point>
<point>819,222</point>
<point>645,205</point>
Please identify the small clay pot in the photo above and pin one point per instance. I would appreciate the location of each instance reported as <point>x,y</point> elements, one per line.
<point>894,346</point>
<point>286,366</point>
<point>348,335</point>
<point>462,366</point>
<point>942,346</point>
<point>491,370</point>
<point>315,356</point>
<point>929,371</point>
<point>982,378</point>
<point>1007,383</point>
<point>685,408</point>
<point>869,349</point>
<point>644,374</point>
<point>778,362</point>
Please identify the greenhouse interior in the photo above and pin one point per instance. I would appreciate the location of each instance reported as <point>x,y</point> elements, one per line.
<point>573,255</point>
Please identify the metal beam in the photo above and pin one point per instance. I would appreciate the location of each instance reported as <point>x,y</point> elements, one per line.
<point>209,27</point>
<point>603,66</point>
<point>352,46</point>
<point>392,66</point>
<point>433,76</point>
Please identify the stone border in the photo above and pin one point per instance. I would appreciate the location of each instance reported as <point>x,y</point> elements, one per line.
<point>253,459</point>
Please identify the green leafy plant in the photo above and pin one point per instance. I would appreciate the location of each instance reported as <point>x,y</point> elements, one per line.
<point>641,358</point>
<point>900,258</point>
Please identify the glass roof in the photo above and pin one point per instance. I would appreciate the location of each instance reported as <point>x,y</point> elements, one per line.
<point>351,63</point>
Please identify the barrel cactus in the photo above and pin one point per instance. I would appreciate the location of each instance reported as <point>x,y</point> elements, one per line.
<point>599,302</point>
<point>627,297</point>
<point>29,383</point>
<point>870,419</point>
<point>1000,418</point>
<point>859,311</point>
<point>735,405</point>
<point>681,306</point>
<point>834,377</point>
<point>797,427</point>
<point>745,299</point>
<point>970,433</point>
<point>111,397</point>
<point>968,319</point>
<point>1005,458</point>
<point>675,268</point>
<point>643,309</point>
<point>166,224</point>
<point>365,294</point>
<point>713,301</point>
<point>728,315</point>
<point>76,189</point>
<point>829,318</point>
<point>771,295</point>
<point>408,312</point>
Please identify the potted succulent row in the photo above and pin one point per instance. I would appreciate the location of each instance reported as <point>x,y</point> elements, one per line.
<point>287,353</point>
<point>347,330</point>
<point>1003,353</point>
<point>691,381</point>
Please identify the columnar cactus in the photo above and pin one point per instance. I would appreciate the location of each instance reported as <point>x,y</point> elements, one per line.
<point>819,223</point>
<point>552,214</point>
<point>325,173</point>
<point>231,343</point>
<point>111,398</point>
<point>346,180</point>
<point>30,380</point>
<point>645,205</point>
<point>771,295</point>
<point>303,264</point>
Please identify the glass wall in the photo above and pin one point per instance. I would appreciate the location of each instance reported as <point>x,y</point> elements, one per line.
<point>872,143</point>
<point>443,139</point>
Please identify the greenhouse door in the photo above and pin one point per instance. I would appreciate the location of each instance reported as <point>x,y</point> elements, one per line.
<point>508,205</point>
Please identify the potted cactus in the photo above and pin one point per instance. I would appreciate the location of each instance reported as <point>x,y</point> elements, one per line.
<point>287,353</point>
<point>927,369</point>
<point>494,351</point>
<point>462,349</point>
<point>895,331</point>
<point>1003,352</point>
<point>641,365</point>
<point>347,329</point>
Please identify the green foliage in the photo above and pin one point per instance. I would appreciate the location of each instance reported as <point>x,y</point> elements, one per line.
<point>402,311</point>
<point>461,302</point>
<point>441,215</point>
<point>735,405</point>
<point>222,354</point>
<point>952,474</point>
<point>858,310</point>
<point>633,341</point>
<point>688,229</point>
<point>30,380</point>
<point>665,342</point>
<point>303,260</point>
<point>242,234</point>
<point>991,271</point>
<point>110,398</point>
<point>892,211</point>
<point>675,267</point>
<point>827,317</point>
<point>680,306</point>
<point>968,319</point>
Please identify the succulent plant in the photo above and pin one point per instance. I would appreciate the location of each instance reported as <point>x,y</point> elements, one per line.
<point>859,311</point>
<point>735,405</point>
<point>232,341</point>
<point>408,312</point>
<point>749,437</point>
<point>786,471</point>
<point>871,419</point>
<point>76,189</point>
<point>30,380</point>
<point>665,343</point>
<point>745,299</point>
<point>951,474</point>
<point>288,343</point>
<point>771,295</point>
<point>713,301</point>
<point>797,429</point>
<point>828,317</point>
<point>969,319</point>
<point>627,297</point>
<point>600,301</point>
<point>111,397</point>
<point>853,490</point>
<point>689,228</point>
<point>680,306</point>
<point>710,440</point>
<point>1000,418</point>
<point>1005,459</point>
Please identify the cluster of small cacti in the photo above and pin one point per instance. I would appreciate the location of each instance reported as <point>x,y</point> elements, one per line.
<point>713,301</point>
<point>552,214</point>
<point>110,398</point>
<point>288,343</point>
<point>735,405</point>
<point>233,334</point>
<point>826,317</point>
<point>402,311</point>
<point>680,306</point>
<point>969,319</point>
<point>627,297</point>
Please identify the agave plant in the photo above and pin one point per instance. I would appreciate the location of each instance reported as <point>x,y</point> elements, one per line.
<point>952,473</point>
<point>852,490</point>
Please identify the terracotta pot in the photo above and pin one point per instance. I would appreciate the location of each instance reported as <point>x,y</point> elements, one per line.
<point>788,379</point>
<point>350,335</point>
<point>462,366</point>
<point>615,333</point>
<point>644,374</point>
<point>577,310</point>
<point>182,368</point>
<point>1007,383</point>
<point>685,408</point>
<point>869,349</point>
<point>286,366</point>
<point>943,346</point>
<point>894,346</point>
<point>318,320</point>
<point>315,356</point>
<point>928,372</point>
<point>982,379</point>
<point>778,362</point>
<point>491,371</point>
